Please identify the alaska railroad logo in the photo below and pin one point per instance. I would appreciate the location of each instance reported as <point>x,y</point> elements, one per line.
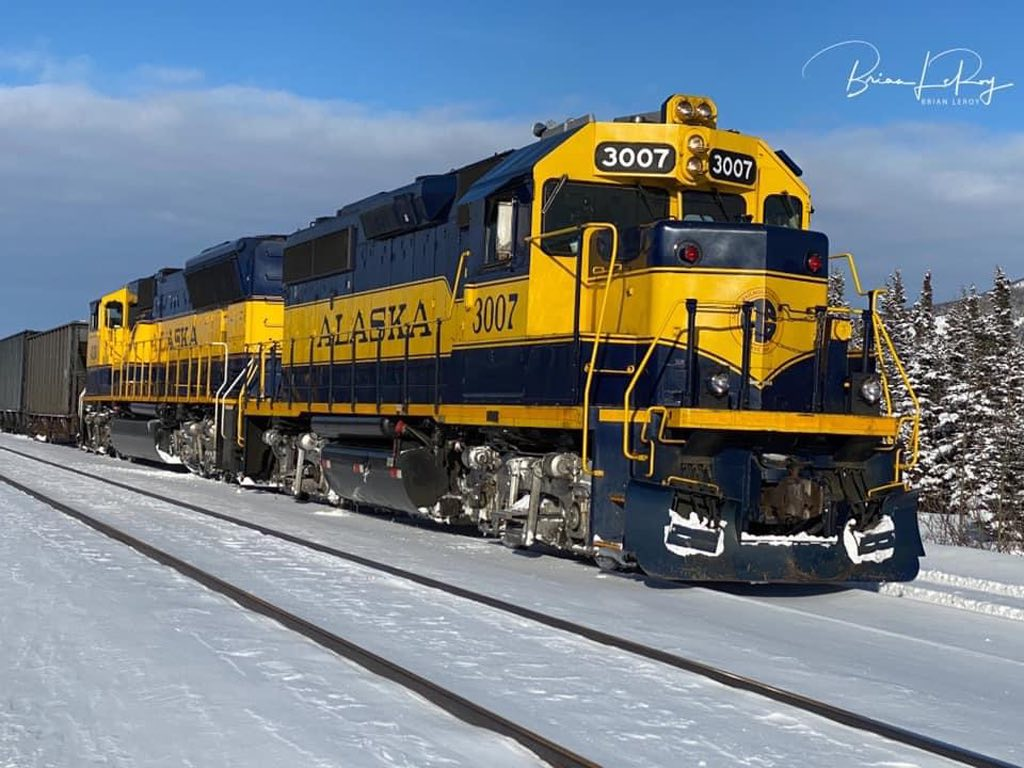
<point>764,317</point>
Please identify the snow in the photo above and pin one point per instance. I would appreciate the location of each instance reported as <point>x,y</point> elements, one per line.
<point>692,522</point>
<point>917,664</point>
<point>108,658</point>
<point>852,540</point>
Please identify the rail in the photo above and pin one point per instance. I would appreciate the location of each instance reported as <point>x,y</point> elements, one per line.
<point>460,707</point>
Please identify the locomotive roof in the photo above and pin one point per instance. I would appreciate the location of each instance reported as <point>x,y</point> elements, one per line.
<point>432,197</point>
<point>228,248</point>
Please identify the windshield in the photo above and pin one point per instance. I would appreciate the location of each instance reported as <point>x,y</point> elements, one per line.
<point>573,203</point>
<point>713,206</point>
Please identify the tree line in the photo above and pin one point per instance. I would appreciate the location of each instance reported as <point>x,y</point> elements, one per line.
<point>966,367</point>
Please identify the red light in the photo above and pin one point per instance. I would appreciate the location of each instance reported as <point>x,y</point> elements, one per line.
<point>690,253</point>
<point>814,262</point>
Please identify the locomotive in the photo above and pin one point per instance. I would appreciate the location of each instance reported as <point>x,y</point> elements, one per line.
<point>614,341</point>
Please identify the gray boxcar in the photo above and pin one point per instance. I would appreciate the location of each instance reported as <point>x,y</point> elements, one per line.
<point>12,379</point>
<point>54,378</point>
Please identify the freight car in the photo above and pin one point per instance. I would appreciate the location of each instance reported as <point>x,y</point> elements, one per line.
<point>42,378</point>
<point>614,341</point>
<point>12,381</point>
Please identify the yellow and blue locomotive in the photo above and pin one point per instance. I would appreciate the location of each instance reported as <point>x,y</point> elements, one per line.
<point>615,341</point>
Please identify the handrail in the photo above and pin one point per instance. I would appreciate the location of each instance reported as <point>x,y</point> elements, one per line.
<point>243,393</point>
<point>458,280</point>
<point>223,383</point>
<point>628,397</point>
<point>224,398</point>
<point>588,466</point>
<point>585,231</point>
<point>881,333</point>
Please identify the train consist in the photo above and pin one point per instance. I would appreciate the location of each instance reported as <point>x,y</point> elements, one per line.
<point>614,341</point>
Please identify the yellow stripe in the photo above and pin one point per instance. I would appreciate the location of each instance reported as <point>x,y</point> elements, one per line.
<point>545,416</point>
<point>766,421</point>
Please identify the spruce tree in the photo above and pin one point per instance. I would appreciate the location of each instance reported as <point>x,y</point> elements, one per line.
<point>1000,449</point>
<point>897,321</point>
<point>958,419</point>
<point>927,376</point>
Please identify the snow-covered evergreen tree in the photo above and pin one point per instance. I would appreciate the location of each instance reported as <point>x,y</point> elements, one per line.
<point>928,376</point>
<point>1000,448</point>
<point>965,412</point>
<point>837,290</point>
<point>898,322</point>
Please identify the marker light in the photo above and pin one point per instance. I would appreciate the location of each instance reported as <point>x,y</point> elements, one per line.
<point>688,252</point>
<point>814,262</point>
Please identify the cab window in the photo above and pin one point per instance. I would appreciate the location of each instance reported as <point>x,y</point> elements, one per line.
<point>115,314</point>
<point>572,204</point>
<point>714,207</point>
<point>783,211</point>
<point>500,235</point>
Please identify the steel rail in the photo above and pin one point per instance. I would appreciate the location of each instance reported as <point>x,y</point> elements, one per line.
<point>451,702</point>
<point>831,712</point>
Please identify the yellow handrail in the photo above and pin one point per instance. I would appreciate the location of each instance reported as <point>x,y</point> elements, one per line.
<point>585,231</point>
<point>881,333</point>
<point>627,399</point>
<point>588,229</point>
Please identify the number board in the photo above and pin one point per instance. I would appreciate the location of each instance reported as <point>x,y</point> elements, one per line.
<point>636,158</point>
<point>732,166</point>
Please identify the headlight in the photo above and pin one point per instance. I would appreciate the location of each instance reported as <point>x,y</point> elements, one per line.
<point>719,384</point>
<point>684,110</point>
<point>695,166</point>
<point>696,143</point>
<point>871,390</point>
<point>704,111</point>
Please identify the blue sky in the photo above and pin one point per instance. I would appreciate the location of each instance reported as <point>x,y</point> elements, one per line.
<point>136,135</point>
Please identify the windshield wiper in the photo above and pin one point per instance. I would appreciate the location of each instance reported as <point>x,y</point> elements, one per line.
<point>554,193</point>
<point>721,204</point>
<point>790,210</point>
<point>646,200</point>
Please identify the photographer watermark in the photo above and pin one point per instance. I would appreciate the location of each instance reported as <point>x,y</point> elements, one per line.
<point>953,77</point>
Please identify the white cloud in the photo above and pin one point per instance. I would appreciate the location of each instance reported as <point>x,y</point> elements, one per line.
<point>99,189</point>
<point>919,196</point>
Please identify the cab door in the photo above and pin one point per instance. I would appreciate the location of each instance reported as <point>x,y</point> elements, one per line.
<point>494,342</point>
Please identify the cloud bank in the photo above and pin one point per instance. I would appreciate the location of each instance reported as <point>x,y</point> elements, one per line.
<point>101,187</point>
<point>919,196</point>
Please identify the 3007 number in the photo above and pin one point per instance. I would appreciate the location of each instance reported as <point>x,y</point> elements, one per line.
<point>495,313</point>
<point>621,157</point>
<point>732,166</point>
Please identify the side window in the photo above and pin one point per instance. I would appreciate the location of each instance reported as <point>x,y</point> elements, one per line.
<point>501,227</point>
<point>115,314</point>
<point>94,316</point>
<point>783,211</point>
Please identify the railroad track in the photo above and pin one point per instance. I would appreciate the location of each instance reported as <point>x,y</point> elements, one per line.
<point>448,700</point>
<point>462,708</point>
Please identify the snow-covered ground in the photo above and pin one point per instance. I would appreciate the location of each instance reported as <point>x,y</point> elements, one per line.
<point>109,659</point>
<point>920,665</point>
